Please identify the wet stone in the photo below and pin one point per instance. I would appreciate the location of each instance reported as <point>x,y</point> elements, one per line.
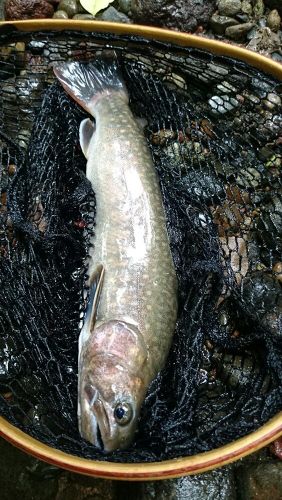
<point>258,9</point>
<point>31,9</point>
<point>273,20</point>
<point>238,32</point>
<point>184,15</point>
<point>60,14</point>
<point>246,7</point>
<point>220,23</point>
<point>222,104</point>
<point>216,485</point>
<point>229,7</point>
<point>272,101</point>
<point>113,15</point>
<point>71,7</point>
<point>125,6</point>
<point>84,17</point>
<point>277,56</point>
<point>262,481</point>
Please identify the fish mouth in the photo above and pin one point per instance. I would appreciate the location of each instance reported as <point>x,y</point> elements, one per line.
<point>94,425</point>
<point>102,429</point>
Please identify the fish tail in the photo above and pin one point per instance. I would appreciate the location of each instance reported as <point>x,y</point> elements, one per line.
<point>86,83</point>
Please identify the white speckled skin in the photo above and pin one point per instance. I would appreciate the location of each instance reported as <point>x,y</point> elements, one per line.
<point>127,345</point>
<point>131,242</point>
<point>130,236</point>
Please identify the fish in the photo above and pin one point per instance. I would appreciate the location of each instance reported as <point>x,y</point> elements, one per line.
<point>132,307</point>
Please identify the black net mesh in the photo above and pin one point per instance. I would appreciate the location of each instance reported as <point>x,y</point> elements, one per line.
<point>214,130</point>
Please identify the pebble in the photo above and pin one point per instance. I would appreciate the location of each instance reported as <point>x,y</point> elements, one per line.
<point>272,101</point>
<point>229,7</point>
<point>258,9</point>
<point>277,271</point>
<point>226,87</point>
<point>248,178</point>
<point>11,170</point>
<point>84,17</point>
<point>205,188</point>
<point>162,137</point>
<point>276,448</point>
<point>273,20</point>
<point>277,56</point>
<point>238,32</point>
<point>71,7</point>
<point>113,15</point>
<point>265,153</point>
<point>246,7</point>
<point>222,104</point>
<point>274,161</point>
<point>265,41</point>
<point>125,6</point>
<point>36,47</point>
<point>242,18</point>
<point>175,81</point>
<point>219,23</point>
<point>60,14</point>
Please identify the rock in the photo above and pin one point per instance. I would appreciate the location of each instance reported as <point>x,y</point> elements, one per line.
<point>17,480</point>
<point>60,14</point>
<point>260,481</point>
<point>71,7</point>
<point>215,485</point>
<point>84,17</point>
<point>276,448</point>
<point>229,7</point>
<point>274,4</point>
<point>272,101</point>
<point>248,178</point>
<point>222,104</point>
<point>113,15</point>
<point>273,20</point>
<point>242,18</point>
<point>277,271</point>
<point>205,188</point>
<point>277,56</point>
<point>265,41</point>
<point>258,9</point>
<point>125,6</point>
<point>219,23</point>
<point>183,15</point>
<point>27,9</point>
<point>238,32</point>
<point>246,7</point>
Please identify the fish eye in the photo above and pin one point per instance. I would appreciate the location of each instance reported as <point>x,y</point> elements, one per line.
<point>123,413</point>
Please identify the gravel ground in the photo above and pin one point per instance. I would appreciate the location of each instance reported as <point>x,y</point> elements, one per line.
<point>255,24</point>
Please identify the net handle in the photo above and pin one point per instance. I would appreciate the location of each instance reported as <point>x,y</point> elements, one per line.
<point>166,469</point>
<point>256,60</point>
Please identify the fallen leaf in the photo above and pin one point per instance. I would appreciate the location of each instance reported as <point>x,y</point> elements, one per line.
<point>94,6</point>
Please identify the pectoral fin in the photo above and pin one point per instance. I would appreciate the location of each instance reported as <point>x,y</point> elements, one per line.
<point>96,283</point>
<point>86,131</point>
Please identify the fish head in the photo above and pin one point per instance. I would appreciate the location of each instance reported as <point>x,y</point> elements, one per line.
<point>112,386</point>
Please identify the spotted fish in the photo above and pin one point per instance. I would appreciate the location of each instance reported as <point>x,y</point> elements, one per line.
<point>131,314</point>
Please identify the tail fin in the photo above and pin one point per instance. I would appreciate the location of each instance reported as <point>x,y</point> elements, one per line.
<point>87,83</point>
